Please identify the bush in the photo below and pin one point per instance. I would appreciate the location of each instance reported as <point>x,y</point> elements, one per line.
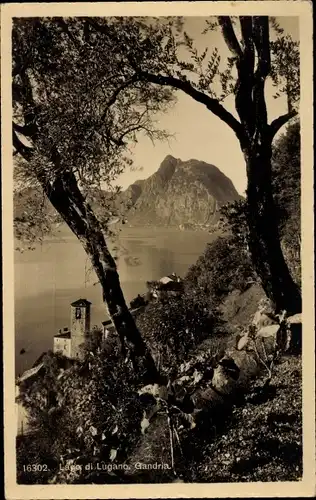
<point>287,194</point>
<point>174,325</point>
<point>224,267</point>
<point>94,416</point>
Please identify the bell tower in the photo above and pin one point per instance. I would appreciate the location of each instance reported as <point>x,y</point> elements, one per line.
<point>80,326</point>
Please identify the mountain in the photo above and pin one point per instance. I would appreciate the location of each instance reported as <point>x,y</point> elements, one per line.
<point>180,193</point>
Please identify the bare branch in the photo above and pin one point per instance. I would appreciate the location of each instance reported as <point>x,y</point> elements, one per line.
<point>262,43</point>
<point>211,103</point>
<point>230,36</point>
<point>247,36</point>
<point>276,124</point>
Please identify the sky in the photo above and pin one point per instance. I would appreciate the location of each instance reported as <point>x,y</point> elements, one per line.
<point>197,133</point>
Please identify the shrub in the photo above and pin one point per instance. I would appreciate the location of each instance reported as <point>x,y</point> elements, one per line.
<point>224,267</point>
<point>94,416</point>
<point>174,325</point>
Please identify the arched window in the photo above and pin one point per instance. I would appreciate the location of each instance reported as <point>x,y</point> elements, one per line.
<point>78,313</point>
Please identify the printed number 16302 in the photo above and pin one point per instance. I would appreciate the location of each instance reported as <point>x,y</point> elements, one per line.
<point>35,468</point>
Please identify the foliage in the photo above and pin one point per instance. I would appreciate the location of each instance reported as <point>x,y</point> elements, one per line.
<point>162,46</point>
<point>94,409</point>
<point>287,174</point>
<point>286,182</point>
<point>233,220</point>
<point>173,325</point>
<point>35,448</point>
<point>93,341</point>
<point>72,101</point>
<point>225,266</point>
<point>287,193</point>
<point>34,217</point>
<point>43,391</point>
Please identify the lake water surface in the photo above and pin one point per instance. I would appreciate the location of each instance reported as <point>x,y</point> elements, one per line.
<point>56,273</point>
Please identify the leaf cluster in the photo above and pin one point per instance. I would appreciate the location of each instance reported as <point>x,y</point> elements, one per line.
<point>174,325</point>
<point>224,266</point>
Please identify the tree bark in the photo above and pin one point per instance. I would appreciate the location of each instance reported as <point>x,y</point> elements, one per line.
<point>264,239</point>
<point>68,200</point>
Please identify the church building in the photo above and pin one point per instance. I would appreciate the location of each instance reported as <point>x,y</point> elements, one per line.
<point>70,342</point>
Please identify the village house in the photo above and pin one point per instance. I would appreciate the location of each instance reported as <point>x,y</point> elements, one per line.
<point>171,285</point>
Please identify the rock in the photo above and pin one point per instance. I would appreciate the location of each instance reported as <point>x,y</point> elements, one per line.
<point>264,315</point>
<point>294,324</point>
<point>295,319</point>
<point>222,381</point>
<point>268,331</point>
<point>242,342</point>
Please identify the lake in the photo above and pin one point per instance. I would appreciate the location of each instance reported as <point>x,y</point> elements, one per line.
<point>57,272</point>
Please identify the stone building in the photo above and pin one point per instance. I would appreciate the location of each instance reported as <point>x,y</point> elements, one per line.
<point>62,342</point>
<point>107,329</point>
<point>80,326</point>
<point>70,342</point>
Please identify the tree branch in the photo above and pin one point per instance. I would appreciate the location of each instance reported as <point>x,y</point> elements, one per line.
<point>116,93</point>
<point>211,103</point>
<point>25,151</point>
<point>26,130</point>
<point>247,36</point>
<point>244,86</point>
<point>229,36</point>
<point>262,43</point>
<point>276,124</point>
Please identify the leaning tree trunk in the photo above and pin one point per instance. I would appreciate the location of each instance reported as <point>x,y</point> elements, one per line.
<point>68,200</point>
<point>264,239</point>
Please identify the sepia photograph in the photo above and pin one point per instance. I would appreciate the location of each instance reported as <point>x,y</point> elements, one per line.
<point>159,188</point>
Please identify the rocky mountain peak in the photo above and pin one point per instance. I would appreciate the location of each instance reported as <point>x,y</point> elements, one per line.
<point>180,192</point>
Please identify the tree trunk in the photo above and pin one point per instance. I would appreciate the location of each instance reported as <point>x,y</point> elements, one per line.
<point>264,239</point>
<point>68,200</point>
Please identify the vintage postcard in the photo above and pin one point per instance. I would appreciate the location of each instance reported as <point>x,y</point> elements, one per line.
<point>157,166</point>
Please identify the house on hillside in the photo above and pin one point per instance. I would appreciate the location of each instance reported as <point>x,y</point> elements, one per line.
<point>171,285</point>
<point>107,329</point>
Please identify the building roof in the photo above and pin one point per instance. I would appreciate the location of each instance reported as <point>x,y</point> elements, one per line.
<point>108,322</point>
<point>30,373</point>
<point>81,302</point>
<point>39,360</point>
<point>63,335</point>
<point>165,280</point>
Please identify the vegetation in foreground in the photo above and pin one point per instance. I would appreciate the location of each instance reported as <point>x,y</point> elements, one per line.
<point>262,439</point>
